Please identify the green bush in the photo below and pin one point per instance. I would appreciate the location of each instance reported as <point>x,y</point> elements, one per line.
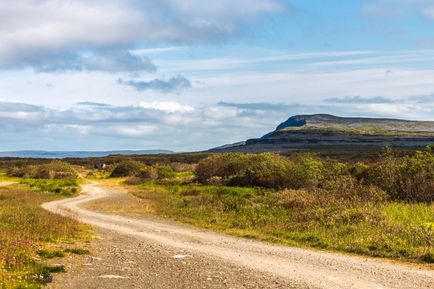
<point>268,170</point>
<point>127,168</point>
<point>53,170</point>
<point>265,170</point>
<point>165,172</point>
<point>236,169</point>
<point>148,173</point>
<point>417,177</point>
<point>306,171</point>
<point>66,187</point>
<point>224,166</point>
<point>409,179</point>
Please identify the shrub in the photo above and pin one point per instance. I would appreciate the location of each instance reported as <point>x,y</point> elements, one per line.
<point>53,170</point>
<point>148,173</point>
<point>214,181</point>
<point>268,170</point>
<point>66,187</point>
<point>182,167</point>
<point>417,177</point>
<point>127,168</point>
<point>360,171</point>
<point>235,169</point>
<point>225,165</point>
<point>386,174</point>
<point>165,172</point>
<point>306,171</point>
<point>409,179</point>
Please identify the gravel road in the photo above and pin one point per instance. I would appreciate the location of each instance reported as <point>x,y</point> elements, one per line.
<point>5,184</point>
<point>149,253</point>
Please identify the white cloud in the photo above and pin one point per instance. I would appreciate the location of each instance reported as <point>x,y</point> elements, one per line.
<point>132,131</point>
<point>168,124</point>
<point>49,33</point>
<point>398,8</point>
<point>168,106</point>
<point>429,12</point>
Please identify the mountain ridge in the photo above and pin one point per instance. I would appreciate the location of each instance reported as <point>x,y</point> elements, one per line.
<point>315,130</point>
<point>77,154</point>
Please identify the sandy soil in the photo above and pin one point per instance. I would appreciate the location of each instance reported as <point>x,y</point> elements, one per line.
<point>150,253</point>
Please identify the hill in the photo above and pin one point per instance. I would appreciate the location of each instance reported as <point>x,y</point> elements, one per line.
<point>323,130</point>
<point>78,154</point>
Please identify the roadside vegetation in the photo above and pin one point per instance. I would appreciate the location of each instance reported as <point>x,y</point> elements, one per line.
<point>381,208</point>
<point>54,177</point>
<point>29,235</point>
<point>375,205</point>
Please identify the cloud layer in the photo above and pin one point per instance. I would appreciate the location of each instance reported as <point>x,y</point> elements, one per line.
<point>399,8</point>
<point>169,124</point>
<point>98,35</point>
<point>174,84</point>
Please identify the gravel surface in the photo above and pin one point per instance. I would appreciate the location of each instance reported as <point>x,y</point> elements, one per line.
<point>119,261</point>
<point>5,184</point>
<point>149,253</point>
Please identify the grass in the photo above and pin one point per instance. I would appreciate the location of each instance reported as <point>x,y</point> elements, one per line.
<point>299,218</point>
<point>29,235</point>
<point>57,186</point>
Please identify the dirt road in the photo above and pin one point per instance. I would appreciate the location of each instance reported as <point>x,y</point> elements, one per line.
<point>5,184</point>
<point>167,255</point>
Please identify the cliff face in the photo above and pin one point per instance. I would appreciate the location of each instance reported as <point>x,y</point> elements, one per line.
<point>319,130</point>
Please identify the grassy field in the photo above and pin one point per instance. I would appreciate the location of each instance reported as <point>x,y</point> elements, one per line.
<point>30,235</point>
<point>297,217</point>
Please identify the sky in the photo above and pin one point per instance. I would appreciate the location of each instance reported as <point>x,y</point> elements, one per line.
<point>190,75</point>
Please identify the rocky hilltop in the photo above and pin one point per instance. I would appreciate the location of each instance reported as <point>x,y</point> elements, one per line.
<point>323,130</point>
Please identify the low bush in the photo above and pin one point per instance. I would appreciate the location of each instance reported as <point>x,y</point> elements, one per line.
<point>148,173</point>
<point>410,178</point>
<point>306,171</point>
<point>182,167</point>
<point>165,172</point>
<point>127,168</point>
<point>52,170</point>
<point>65,187</point>
<point>224,166</point>
<point>264,170</point>
<point>235,169</point>
<point>417,178</point>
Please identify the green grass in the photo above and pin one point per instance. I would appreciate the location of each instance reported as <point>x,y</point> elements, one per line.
<point>58,186</point>
<point>411,214</point>
<point>29,235</point>
<point>300,218</point>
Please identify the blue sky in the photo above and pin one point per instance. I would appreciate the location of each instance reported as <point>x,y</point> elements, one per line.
<point>190,75</point>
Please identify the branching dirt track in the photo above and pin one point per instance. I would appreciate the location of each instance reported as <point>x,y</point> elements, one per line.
<point>299,268</point>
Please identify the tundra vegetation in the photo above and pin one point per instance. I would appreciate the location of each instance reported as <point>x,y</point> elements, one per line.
<point>381,208</point>
<point>30,235</point>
